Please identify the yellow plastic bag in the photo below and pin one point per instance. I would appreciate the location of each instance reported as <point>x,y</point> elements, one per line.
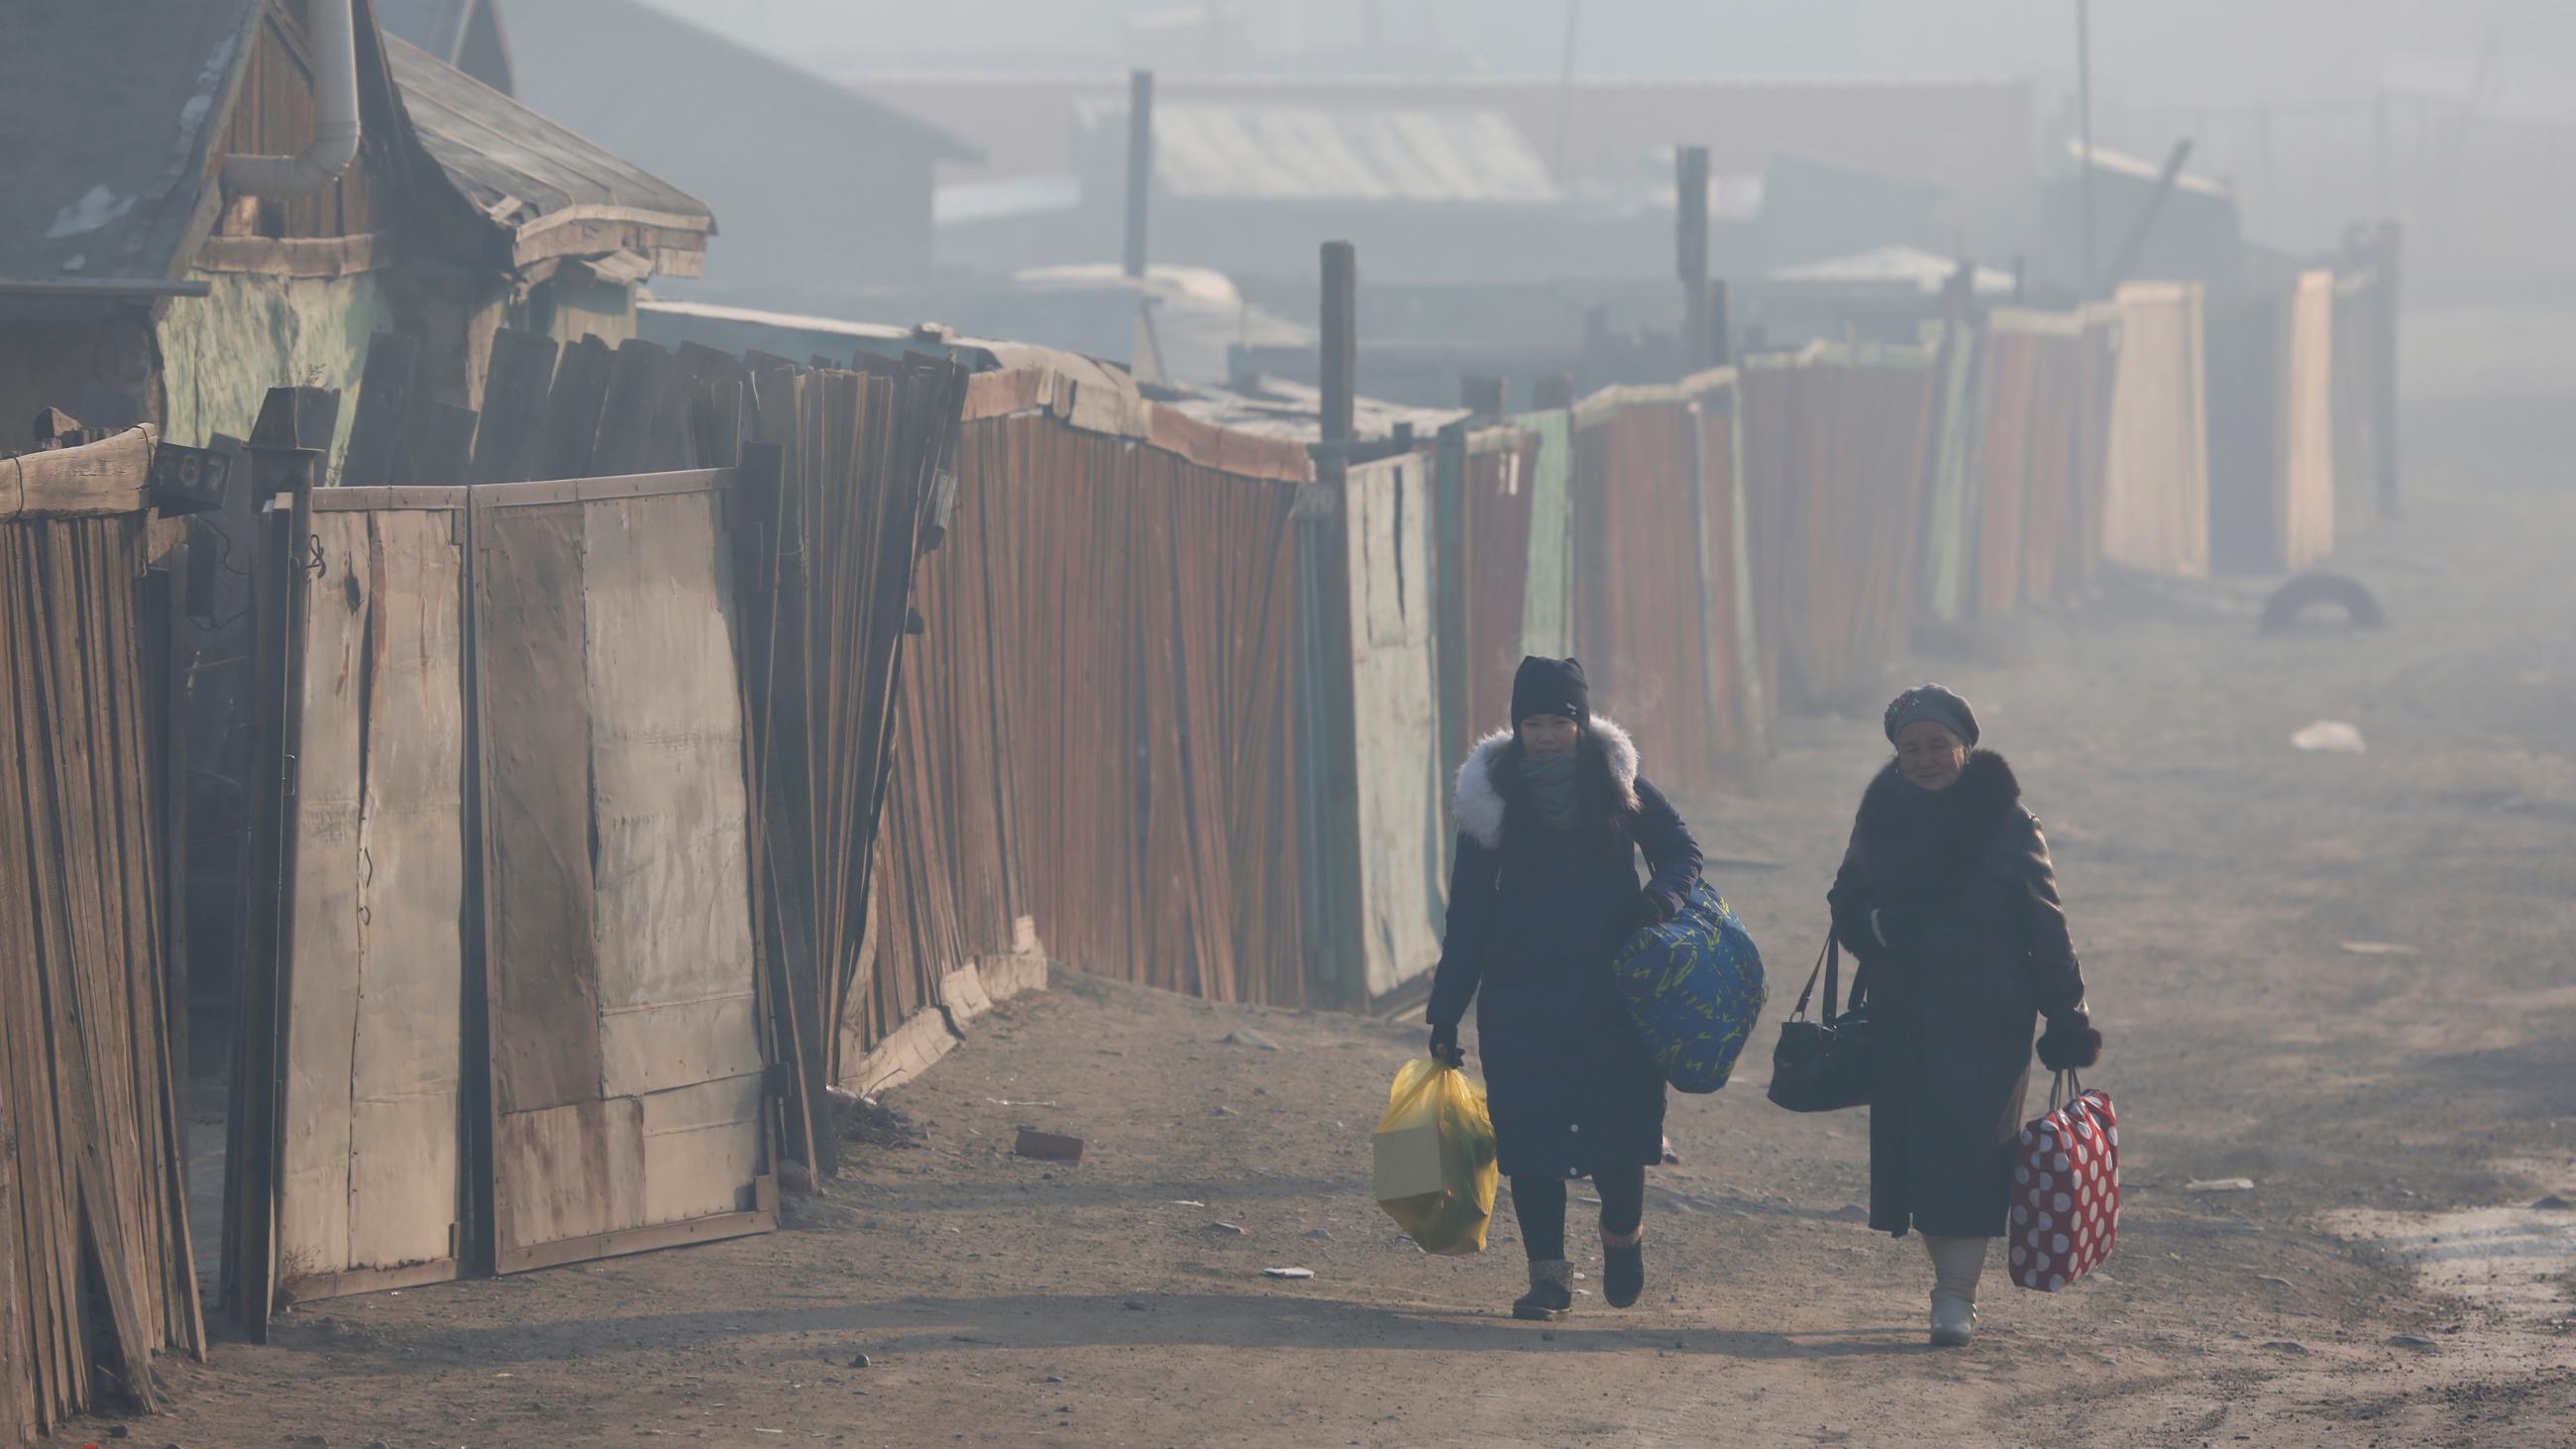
<point>1435,1158</point>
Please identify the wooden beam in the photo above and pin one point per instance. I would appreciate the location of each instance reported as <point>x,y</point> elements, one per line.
<point>297,256</point>
<point>96,478</point>
<point>103,287</point>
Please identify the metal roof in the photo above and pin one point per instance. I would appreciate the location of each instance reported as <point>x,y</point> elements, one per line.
<point>2138,168</point>
<point>520,168</point>
<point>1896,266</point>
<point>1216,151</point>
<point>107,107</point>
<point>1274,407</point>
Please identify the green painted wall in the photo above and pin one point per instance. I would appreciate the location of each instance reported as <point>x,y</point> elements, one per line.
<point>565,308</point>
<point>221,353</point>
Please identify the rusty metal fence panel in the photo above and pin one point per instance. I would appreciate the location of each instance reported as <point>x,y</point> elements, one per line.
<point>1650,607</point>
<point>1835,446</point>
<point>1485,487</point>
<point>1094,751</point>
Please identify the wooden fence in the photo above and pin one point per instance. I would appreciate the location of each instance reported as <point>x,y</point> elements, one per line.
<point>96,1276</point>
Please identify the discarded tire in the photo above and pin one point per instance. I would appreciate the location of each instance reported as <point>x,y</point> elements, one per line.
<point>2307,591</point>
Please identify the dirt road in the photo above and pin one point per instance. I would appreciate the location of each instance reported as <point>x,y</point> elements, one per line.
<point>2216,877</point>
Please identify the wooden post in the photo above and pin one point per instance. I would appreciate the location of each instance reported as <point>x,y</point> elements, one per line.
<point>2382,176</point>
<point>286,453</point>
<point>1340,340</point>
<point>1690,239</point>
<point>1140,164</point>
<point>2389,255</point>
<point>1481,396</point>
<point>2084,114</point>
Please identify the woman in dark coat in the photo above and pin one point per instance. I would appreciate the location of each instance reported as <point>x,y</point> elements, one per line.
<point>1551,816</point>
<point>1948,898</point>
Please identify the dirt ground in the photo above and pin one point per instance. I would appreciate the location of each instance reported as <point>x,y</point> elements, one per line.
<point>2396,1110</point>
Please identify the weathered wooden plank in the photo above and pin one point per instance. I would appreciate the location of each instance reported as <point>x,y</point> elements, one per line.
<point>572,410</point>
<point>672,915</point>
<point>446,454</point>
<point>638,385</point>
<point>35,1250</point>
<point>534,709</point>
<point>515,399</point>
<point>321,994</point>
<point>568,1172</point>
<point>701,1148</point>
<point>18,1372</point>
<point>404,1178</point>
<point>386,410</point>
<point>91,1080</point>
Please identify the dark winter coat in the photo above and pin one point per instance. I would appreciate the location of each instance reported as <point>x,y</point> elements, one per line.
<point>1968,946</point>
<point>1535,915</point>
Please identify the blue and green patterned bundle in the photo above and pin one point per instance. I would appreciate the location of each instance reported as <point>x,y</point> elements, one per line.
<point>1694,985</point>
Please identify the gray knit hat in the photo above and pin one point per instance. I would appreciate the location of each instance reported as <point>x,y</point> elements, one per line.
<point>1932,702</point>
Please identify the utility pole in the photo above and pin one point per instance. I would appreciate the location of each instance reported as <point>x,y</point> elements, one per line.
<point>1140,164</point>
<point>1690,238</point>
<point>1565,88</point>
<point>2084,123</point>
<point>1339,361</point>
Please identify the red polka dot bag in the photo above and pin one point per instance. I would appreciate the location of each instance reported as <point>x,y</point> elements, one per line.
<point>2066,1189</point>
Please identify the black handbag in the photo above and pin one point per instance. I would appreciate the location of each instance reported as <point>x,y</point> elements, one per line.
<point>1824,1065</point>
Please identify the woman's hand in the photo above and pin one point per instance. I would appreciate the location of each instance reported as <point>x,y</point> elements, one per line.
<point>1444,1045</point>
<point>1644,911</point>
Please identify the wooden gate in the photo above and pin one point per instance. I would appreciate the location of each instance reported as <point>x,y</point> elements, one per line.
<point>503,1004</point>
<point>625,1024</point>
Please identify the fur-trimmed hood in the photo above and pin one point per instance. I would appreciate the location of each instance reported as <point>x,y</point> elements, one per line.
<point>1929,840</point>
<point>1482,794</point>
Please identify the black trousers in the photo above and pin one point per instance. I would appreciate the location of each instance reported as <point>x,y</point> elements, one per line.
<point>1539,1203</point>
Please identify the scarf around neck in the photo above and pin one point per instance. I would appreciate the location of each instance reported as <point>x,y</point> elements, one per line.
<point>1551,782</point>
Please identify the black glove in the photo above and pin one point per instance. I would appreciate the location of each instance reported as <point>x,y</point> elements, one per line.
<point>2070,1044</point>
<point>1444,1045</point>
<point>1645,909</point>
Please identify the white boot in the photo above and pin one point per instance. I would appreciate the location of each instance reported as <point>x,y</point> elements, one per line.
<point>1956,1265</point>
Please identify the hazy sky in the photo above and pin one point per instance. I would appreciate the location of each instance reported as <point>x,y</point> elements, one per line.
<point>2207,52</point>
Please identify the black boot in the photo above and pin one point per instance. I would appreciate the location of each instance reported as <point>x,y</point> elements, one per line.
<point>1551,1293</point>
<point>1623,1268</point>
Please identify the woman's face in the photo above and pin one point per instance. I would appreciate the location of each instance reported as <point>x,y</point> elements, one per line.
<point>1929,755</point>
<point>1546,734</point>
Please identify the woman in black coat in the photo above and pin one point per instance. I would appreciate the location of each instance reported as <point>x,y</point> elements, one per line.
<point>1948,898</point>
<point>1551,816</point>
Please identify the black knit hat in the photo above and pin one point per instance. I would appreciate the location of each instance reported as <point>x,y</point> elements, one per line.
<point>1932,702</point>
<point>1551,686</point>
